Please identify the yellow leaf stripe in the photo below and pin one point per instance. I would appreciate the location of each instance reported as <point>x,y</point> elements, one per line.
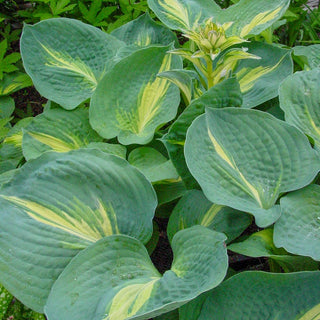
<point>247,77</point>
<point>175,11</point>
<point>129,300</point>
<point>313,125</point>
<point>312,314</point>
<point>77,218</point>
<point>259,19</point>
<point>210,215</point>
<point>143,40</point>
<point>63,60</point>
<point>15,139</point>
<point>148,105</point>
<point>55,143</point>
<point>221,153</point>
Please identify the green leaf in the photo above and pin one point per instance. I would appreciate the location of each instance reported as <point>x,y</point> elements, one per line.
<point>11,148</point>
<point>260,79</point>
<point>195,209</point>
<point>152,164</point>
<point>5,300</point>
<point>129,284</point>
<point>115,149</point>
<point>260,244</point>
<point>185,80</point>
<point>6,107</point>
<point>58,204</point>
<point>168,191</point>
<point>153,241</point>
<point>133,107</point>
<point>245,158</point>
<point>297,230</point>
<point>7,175</point>
<point>57,130</point>
<point>310,55</point>
<point>260,295</point>
<point>172,315</point>
<point>251,17</point>
<point>224,94</point>
<point>184,14</point>
<point>144,31</point>
<point>13,82</point>
<point>300,100</point>
<point>67,63</point>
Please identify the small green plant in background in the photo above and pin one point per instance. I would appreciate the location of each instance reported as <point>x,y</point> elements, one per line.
<point>116,146</point>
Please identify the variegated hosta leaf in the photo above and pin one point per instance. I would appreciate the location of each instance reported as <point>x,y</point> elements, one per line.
<point>13,82</point>
<point>309,54</point>
<point>300,100</point>
<point>297,230</point>
<point>58,204</point>
<point>195,209</point>
<point>57,130</point>
<point>143,32</point>
<point>133,106</point>
<point>248,17</point>
<point>224,94</point>
<point>251,17</point>
<point>184,14</point>
<point>260,244</point>
<point>187,81</point>
<point>114,279</point>
<point>67,63</point>
<point>245,158</point>
<point>261,295</point>
<point>260,79</point>
<point>11,148</point>
<point>152,164</point>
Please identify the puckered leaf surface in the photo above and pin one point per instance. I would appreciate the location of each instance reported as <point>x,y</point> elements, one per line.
<point>114,279</point>
<point>57,130</point>
<point>67,63</point>
<point>260,295</point>
<point>224,94</point>
<point>133,106</point>
<point>245,158</point>
<point>59,204</point>
<point>143,32</point>
<point>300,100</point>
<point>260,79</point>
<point>297,230</point>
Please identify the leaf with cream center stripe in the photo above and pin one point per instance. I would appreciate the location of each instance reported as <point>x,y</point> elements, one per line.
<point>58,130</point>
<point>184,14</point>
<point>67,63</point>
<point>245,158</point>
<point>133,107</point>
<point>114,279</point>
<point>195,209</point>
<point>251,17</point>
<point>61,203</point>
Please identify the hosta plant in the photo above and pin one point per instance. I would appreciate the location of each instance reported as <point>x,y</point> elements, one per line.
<point>137,127</point>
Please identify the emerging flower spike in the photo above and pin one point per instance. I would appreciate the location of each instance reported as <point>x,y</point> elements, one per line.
<point>211,38</point>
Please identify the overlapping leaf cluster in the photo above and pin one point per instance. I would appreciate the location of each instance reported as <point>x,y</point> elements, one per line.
<point>115,145</point>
